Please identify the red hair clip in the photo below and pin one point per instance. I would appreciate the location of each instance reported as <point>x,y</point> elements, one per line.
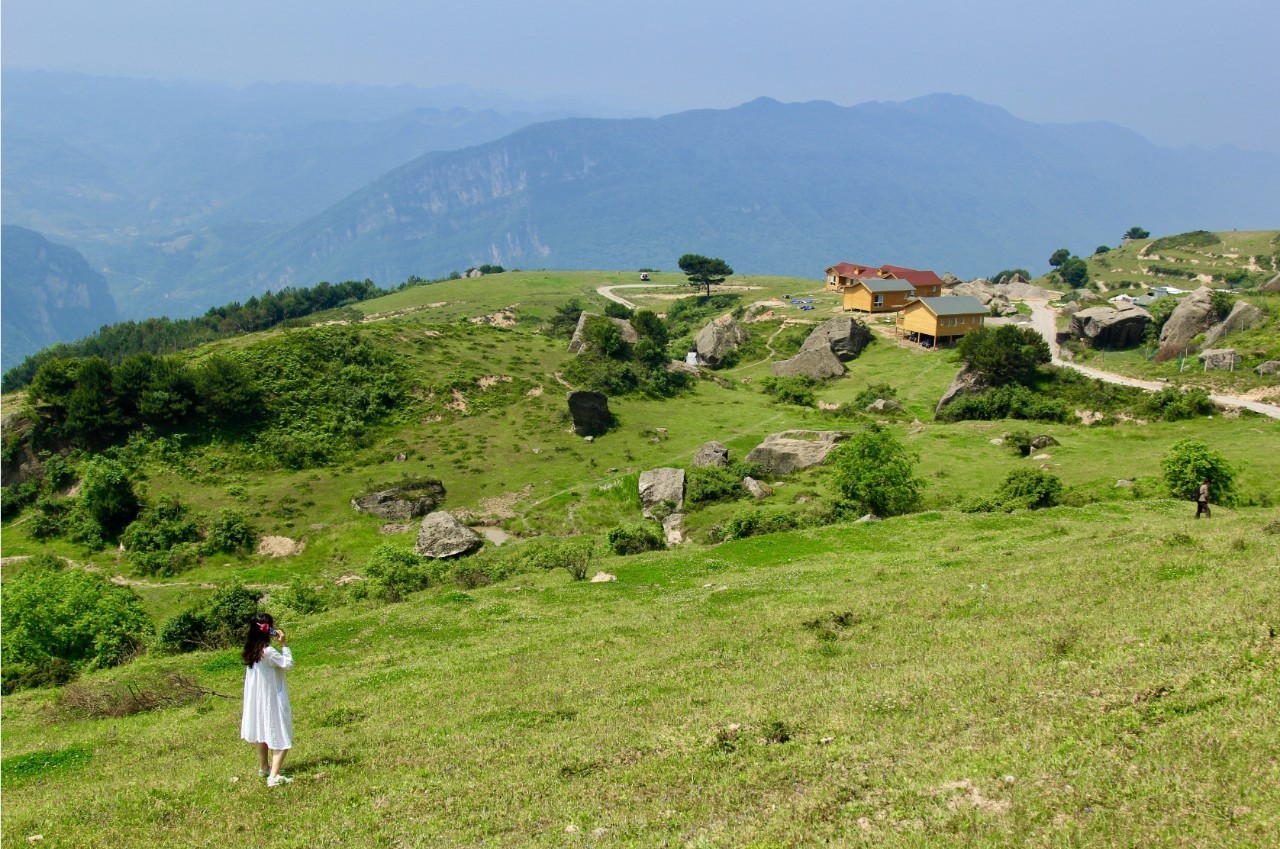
<point>264,627</point>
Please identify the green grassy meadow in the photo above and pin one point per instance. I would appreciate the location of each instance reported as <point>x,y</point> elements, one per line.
<point>1099,674</point>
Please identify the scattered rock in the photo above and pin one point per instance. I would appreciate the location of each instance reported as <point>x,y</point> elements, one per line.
<point>883,405</point>
<point>681,367</point>
<point>870,517</point>
<point>659,485</point>
<point>603,577</point>
<point>590,411</point>
<point>1043,441</point>
<point>401,457</point>
<point>818,362</point>
<point>758,489</point>
<point>394,528</point>
<point>1042,457</point>
<point>1123,484</point>
<point>718,339</point>
<point>402,502</point>
<point>588,439</point>
<point>441,535</point>
<point>997,440</point>
<point>793,450</point>
<point>673,527</point>
<point>1220,359</point>
<point>844,336</point>
<point>348,579</point>
<point>712,454</point>
<point>1269,367</point>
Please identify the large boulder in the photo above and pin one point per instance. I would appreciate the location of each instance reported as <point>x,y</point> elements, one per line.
<point>441,535</point>
<point>1220,359</point>
<point>981,288</point>
<point>793,450</point>
<point>578,342</point>
<point>1194,315</point>
<point>718,339</point>
<point>968,381</point>
<point>712,454</point>
<point>1107,327</point>
<point>817,361</point>
<point>1019,288</point>
<point>590,411</point>
<point>402,502</point>
<point>659,485</point>
<point>20,463</point>
<point>1243,316</point>
<point>844,336</point>
<point>1268,368</point>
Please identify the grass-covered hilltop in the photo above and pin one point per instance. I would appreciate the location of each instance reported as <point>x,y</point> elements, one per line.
<point>988,622</point>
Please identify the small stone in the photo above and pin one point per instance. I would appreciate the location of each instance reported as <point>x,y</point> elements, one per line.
<point>997,441</point>
<point>234,779</point>
<point>597,833</point>
<point>827,741</point>
<point>1124,483</point>
<point>1009,779</point>
<point>601,577</point>
<point>1042,457</point>
<point>570,829</point>
<point>588,439</point>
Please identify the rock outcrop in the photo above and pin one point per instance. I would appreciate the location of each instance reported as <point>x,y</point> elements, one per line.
<point>843,336</point>
<point>1220,359</point>
<point>590,411</point>
<point>1268,368</point>
<point>1194,315</point>
<point>578,342</point>
<point>718,339</point>
<point>402,502</point>
<point>1243,316</point>
<point>712,454</point>
<point>659,485</point>
<point>758,489</point>
<point>1107,327</point>
<point>818,362</point>
<point>968,381</point>
<point>441,535</point>
<point>793,450</point>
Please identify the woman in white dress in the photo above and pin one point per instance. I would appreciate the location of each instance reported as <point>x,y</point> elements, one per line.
<point>267,719</point>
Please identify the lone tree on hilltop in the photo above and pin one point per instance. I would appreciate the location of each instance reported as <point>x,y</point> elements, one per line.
<point>1137,233</point>
<point>704,270</point>
<point>1074,272</point>
<point>1059,256</point>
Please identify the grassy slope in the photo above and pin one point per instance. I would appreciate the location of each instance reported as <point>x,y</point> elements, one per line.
<point>1097,676</point>
<point>978,646</point>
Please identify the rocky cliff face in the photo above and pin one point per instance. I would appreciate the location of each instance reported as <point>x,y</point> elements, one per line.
<point>50,295</point>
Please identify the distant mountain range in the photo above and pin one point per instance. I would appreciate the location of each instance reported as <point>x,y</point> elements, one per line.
<point>940,182</point>
<point>50,295</point>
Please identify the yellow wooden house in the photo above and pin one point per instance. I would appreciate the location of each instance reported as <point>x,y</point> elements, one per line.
<point>936,321</point>
<point>876,294</point>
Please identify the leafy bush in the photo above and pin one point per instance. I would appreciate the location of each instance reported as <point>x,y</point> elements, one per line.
<point>1019,442</point>
<point>301,597</point>
<point>1005,354</point>
<point>394,572</point>
<point>1006,402</point>
<point>874,393</point>
<point>796,390</point>
<point>107,494</point>
<point>635,539</point>
<point>1189,462</point>
<point>230,532</point>
<point>1173,405</point>
<point>219,621</point>
<point>1029,489</point>
<point>161,526</point>
<point>704,484</point>
<point>873,472</point>
<point>756,522</point>
<point>64,618</point>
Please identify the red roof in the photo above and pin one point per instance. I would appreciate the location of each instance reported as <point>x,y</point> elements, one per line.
<point>913,276</point>
<point>849,269</point>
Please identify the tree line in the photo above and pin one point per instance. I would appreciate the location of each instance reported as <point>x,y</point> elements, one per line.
<point>115,343</point>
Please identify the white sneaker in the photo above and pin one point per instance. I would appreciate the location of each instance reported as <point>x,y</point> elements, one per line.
<point>278,780</point>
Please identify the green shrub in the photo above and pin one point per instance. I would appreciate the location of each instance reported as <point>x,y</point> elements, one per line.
<point>796,390</point>
<point>301,597</point>
<point>394,572</point>
<point>107,494</point>
<point>1189,462</point>
<point>1029,489</point>
<point>756,522</point>
<point>50,612</point>
<point>1019,442</point>
<point>230,532</point>
<point>160,527</point>
<point>873,393</point>
<point>704,484</point>
<point>1006,402</point>
<point>635,539</point>
<point>874,473</point>
<point>1171,405</point>
<point>219,621</point>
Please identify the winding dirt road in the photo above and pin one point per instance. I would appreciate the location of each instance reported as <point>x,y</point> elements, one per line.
<point>1043,320</point>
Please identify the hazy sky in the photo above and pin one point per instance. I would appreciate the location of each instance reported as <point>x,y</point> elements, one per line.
<point>1177,71</point>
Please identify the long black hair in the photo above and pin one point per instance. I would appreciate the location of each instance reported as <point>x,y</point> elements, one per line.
<point>258,638</point>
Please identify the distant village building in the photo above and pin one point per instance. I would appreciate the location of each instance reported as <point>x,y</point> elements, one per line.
<point>844,276</point>
<point>877,294</point>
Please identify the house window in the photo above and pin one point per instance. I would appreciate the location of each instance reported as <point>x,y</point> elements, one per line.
<point>879,300</point>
